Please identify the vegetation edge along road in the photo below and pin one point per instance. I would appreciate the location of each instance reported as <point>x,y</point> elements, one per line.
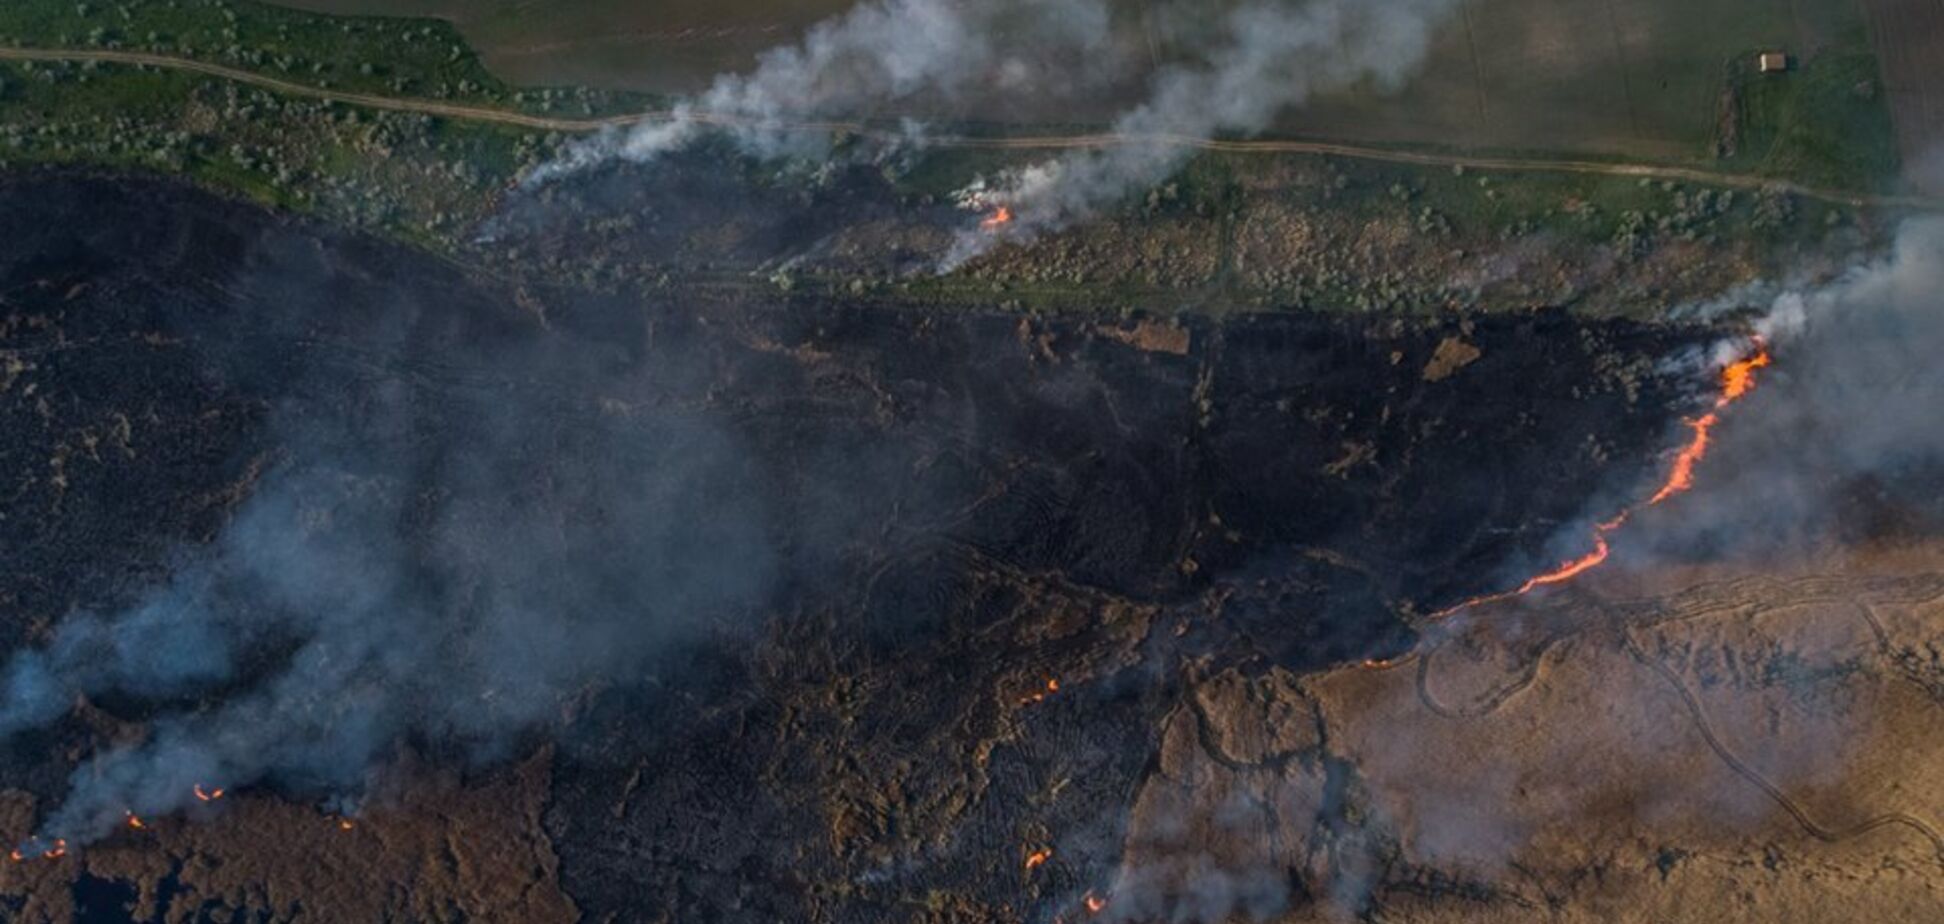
<point>1024,142</point>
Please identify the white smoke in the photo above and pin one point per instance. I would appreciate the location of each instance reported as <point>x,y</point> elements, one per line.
<point>1274,56</point>
<point>877,55</point>
<point>1267,56</point>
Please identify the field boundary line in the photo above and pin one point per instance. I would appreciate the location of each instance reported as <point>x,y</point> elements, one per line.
<point>487,114</point>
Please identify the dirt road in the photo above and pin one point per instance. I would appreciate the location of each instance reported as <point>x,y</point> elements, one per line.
<point>1020,142</point>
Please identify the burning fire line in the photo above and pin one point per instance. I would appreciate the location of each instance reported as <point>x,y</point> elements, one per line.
<point>208,795</point>
<point>1737,380</point>
<point>1038,858</point>
<point>1000,216</point>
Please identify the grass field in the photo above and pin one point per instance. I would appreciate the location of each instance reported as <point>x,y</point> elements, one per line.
<point>1909,39</point>
<point>663,47</point>
<point>424,58</point>
<point>1623,78</point>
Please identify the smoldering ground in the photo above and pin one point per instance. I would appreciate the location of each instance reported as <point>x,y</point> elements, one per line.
<point>462,525</point>
<point>480,522</point>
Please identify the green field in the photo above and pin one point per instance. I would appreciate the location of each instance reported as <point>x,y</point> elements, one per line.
<point>424,58</point>
<point>671,46</point>
<point>1640,79</point>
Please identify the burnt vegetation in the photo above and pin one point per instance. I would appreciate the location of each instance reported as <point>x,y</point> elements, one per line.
<point>911,520</point>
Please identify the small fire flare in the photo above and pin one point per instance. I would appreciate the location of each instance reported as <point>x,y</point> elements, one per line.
<point>34,849</point>
<point>1038,858</point>
<point>1000,216</point>
<point>1052,687</point>
<point>208,795</point>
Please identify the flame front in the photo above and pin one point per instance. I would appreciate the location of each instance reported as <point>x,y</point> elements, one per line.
<point>134,822</point>
<point>1737,380</point>
<point>208,795</point>
<point>1095,904</point>
<point>1000,216</point>
<point>1038,858</point>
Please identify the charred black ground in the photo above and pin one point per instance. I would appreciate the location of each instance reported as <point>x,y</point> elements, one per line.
<point>955,507</point>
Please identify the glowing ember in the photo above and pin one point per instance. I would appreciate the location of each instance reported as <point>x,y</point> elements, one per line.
<point>1095,904</point>
<point>1038,858</point>
<point>344,824</point>
<point>1052,687</point>
<point>999,216</point>
<point>54,851</point>
<point>208,795</point>
<point>134,822</point>
<point>1737,380</point>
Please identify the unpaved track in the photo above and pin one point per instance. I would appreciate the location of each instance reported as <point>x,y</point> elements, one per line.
<point>1014,143</point>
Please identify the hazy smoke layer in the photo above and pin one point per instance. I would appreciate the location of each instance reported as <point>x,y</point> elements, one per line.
<point>453,550</point>
<point>878,54</point>
<point>1844,428</point>
<point>1268,55</point>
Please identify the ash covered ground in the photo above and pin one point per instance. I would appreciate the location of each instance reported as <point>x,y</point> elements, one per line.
<point>487,600</point>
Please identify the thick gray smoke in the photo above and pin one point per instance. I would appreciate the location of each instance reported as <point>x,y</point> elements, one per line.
<point>449,554</point>
<point>1267,56</point>
<point>1842,437</point>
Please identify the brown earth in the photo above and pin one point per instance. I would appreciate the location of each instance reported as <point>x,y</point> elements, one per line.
<point>1909,40</point>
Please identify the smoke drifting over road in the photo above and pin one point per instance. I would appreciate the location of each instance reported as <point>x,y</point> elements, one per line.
<point>878,55</point>
<point>1266,57</point>
<point>1271,56</point>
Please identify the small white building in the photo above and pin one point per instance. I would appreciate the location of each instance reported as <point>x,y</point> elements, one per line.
<point>1772,62</point>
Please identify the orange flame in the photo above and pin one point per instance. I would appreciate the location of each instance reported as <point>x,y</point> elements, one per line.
<point>134,822</point>
<point>344,824</point>
<point>1001,215</point>
<point>58,850</point>
<point>1038,857</point>
<point>1095,904</point>
<point>1737,380</point>
<point>1052,687</point>
<point>208,795</point>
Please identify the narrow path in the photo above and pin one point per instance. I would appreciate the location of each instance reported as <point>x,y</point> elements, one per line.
<point>1809,825</point>
<point>489,114</point>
